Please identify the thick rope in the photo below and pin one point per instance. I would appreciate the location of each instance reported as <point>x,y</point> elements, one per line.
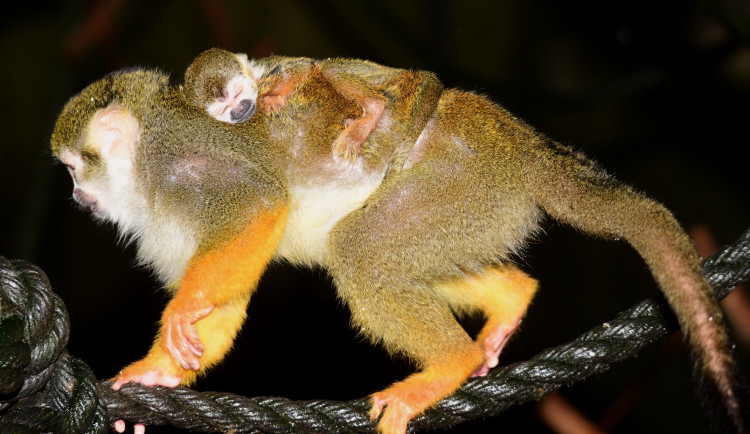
<point>44,389</point>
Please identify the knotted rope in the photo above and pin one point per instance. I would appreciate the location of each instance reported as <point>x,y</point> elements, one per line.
<point>42,388</point>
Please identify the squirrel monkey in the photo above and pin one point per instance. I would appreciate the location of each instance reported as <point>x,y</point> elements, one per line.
<point>209,204</point>
<point>229,86</point>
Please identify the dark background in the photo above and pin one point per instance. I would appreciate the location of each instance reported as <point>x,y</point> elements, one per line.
<point>658,92</point>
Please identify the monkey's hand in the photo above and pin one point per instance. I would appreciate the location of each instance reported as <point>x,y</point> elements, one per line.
<point>149,371</point>
<point>182,345</point>
<point>179,335</point>
<point>276,97</point>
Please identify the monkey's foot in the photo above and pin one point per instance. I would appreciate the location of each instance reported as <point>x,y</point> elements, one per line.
<point>179,336</point>
<point>347,147</point>
<point>406,399</point>
<point>492,339</point>
<point>119,426</point>
<point>397,414</point>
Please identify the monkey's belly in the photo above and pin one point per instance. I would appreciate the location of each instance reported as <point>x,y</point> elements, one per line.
<point>314,210</point>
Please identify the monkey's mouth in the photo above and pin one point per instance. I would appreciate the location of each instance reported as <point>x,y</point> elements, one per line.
<point>85,200</point>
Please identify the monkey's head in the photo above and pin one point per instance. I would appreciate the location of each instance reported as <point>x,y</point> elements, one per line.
<point>95,137</point>
<point>223,84</point>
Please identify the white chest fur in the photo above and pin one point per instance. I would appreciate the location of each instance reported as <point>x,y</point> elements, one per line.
<point>166,248</point>
<point>315,209</point>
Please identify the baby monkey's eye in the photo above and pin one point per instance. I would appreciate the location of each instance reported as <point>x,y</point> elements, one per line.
<point>219,93</point>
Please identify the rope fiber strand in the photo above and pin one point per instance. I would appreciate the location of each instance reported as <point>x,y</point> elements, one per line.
<point>43,388</point>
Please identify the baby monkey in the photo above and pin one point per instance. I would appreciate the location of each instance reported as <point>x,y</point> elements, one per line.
<point>230,87</point>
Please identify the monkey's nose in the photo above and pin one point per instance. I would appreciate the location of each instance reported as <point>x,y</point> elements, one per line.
<point>243,111</point>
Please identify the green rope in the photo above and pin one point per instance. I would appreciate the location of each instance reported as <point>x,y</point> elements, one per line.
<point>42,388</point>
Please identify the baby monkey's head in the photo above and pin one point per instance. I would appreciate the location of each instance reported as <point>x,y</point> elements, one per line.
<point>223,84</point>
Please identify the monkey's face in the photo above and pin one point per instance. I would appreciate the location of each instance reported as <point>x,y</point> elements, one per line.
<point>102,166</point>
<point>233,100</point>
<point>84,191</point>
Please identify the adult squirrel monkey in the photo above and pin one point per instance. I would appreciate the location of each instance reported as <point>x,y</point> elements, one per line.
<point>230,87</point>
<point>209,204</point>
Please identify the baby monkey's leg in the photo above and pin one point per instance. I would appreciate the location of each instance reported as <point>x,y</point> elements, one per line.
<point>502,293</point>
<point>348,144</point>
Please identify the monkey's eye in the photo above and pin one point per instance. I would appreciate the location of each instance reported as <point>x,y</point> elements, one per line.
<point>219,94</point>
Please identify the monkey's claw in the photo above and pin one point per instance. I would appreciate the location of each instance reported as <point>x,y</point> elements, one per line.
<point>181,337</point>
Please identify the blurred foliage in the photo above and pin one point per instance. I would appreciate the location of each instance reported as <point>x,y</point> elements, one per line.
<point>659,92</point>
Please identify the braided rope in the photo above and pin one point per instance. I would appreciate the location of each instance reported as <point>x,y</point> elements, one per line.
<point>44,389</point>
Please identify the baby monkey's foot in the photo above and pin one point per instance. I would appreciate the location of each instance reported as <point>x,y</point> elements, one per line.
<point>347,146</point>
<point>492,339</point>
<point>237,101</point>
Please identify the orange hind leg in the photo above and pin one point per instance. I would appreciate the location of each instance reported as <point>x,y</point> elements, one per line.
<point>502,293</point>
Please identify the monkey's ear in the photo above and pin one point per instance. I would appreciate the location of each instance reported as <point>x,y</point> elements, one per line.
<point>115,131</point>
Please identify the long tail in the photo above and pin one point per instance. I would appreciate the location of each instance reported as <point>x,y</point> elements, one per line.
<point>574,190</point>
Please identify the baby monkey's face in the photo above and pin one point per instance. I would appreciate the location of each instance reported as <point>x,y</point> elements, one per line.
<point>235,101</point>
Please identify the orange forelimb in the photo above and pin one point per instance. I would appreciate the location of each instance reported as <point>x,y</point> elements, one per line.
<point>200,323</point>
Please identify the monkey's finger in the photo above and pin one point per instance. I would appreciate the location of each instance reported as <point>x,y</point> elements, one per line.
<point>174,342</point>
<point>119,426</point>
<point>188,345</point>
<point>201,313</point>
<point>195,344</point>
<point>139,428</point>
